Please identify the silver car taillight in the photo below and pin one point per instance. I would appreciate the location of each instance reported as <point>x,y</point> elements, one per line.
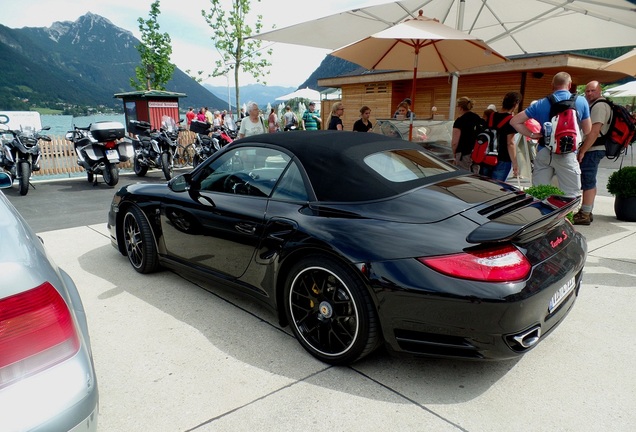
<point>37,331</point>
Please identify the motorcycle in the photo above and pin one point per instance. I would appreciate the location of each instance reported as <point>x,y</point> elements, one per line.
<point>224,135</point>
<point>21,154</point>
<point>154,148</point>
<point>204,145</point>
<point>99,150</point>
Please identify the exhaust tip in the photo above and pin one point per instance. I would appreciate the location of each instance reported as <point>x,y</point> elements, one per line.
<point>528,338</point>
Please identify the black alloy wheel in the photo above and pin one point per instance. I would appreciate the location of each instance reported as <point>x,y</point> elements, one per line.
<point>139,241</point>
<point>330,311</point>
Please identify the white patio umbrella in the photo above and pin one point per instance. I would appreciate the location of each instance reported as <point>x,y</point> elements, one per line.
<point>306,93</point>
<point>420,43</point>
<point>625,63</point>
<point>511,27</point>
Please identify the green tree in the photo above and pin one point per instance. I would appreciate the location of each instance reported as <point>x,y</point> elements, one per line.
<point>238,53</point>
<point>155,50</point>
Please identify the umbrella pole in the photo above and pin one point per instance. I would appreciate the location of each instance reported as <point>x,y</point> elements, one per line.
<point>413,87</point>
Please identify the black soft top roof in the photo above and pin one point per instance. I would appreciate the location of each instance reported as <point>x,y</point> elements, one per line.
<point>334,161</point>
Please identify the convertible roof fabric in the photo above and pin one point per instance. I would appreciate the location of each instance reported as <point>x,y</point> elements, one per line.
<point>334,162</point>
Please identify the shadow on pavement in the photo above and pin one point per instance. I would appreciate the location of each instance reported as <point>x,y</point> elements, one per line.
<point>249,332</point>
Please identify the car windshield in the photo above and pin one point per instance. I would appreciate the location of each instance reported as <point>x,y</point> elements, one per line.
<point>405,165</point>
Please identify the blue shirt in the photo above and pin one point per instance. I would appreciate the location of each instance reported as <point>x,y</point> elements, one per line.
<point>540,111</point>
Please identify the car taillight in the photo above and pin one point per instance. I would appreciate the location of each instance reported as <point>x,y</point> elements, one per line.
<point>501,264</point>
<point>110,144</point>
<point>36,332</point>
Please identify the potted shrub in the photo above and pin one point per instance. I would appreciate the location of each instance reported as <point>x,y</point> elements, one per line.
<point>541,192</point>
<point>622,184</point>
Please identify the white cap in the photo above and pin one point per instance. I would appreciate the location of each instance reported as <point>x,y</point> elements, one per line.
<point>492,107</point>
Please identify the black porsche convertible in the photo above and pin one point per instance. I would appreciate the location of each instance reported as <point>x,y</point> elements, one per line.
<point>357,240</point>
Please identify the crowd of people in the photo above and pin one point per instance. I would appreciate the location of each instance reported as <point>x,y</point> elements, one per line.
<point>575,171</point>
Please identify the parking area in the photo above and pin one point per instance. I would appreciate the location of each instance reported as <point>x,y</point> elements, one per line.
<point>178,355</point>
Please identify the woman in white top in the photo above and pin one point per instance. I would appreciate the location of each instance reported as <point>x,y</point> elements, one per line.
<point>252,124</point>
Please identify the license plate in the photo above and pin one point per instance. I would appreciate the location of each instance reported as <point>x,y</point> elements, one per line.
<point>560,295</point>
<point>112,155</point>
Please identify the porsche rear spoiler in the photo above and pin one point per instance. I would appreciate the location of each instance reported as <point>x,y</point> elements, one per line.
<point>502,229</point>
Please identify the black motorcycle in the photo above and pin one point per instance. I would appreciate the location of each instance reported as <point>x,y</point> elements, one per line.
<point>21,154</point>
<point>204,144</point>
<point>153,148</point>
<point>99,150</point>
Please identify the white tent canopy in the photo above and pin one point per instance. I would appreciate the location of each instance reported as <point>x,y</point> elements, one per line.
<point>306,93</point>
<point>624,90</point>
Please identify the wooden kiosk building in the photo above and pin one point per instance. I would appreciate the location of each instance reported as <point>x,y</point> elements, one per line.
<point>150,106</point>
<point>531,76</point>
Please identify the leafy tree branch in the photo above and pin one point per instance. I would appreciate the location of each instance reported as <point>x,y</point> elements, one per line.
<point>227,19</point>
<point>155,50</point>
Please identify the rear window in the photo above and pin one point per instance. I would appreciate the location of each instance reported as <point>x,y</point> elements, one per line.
<point>405,165</point>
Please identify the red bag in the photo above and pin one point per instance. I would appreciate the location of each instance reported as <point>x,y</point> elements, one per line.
<point>485,150</point>
<point>621,133</point>
<point>565,136</point>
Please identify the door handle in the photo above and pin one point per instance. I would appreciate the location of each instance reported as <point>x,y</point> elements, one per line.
<point>245,228</point>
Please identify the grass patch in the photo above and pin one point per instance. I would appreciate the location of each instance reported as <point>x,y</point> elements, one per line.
<point>47,111</point>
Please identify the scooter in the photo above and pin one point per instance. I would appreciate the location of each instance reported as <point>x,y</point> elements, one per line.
<point>21,155</point>
<point>99,150</point>
<point>153,148</point>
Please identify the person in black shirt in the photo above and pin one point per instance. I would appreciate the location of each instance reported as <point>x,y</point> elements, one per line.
<point>464,132</point>
<point>363,124</point>
<point>335,120</point>
<point>507,148</point>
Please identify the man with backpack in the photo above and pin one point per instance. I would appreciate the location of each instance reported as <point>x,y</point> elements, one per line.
<point>504,146</point>
<point>559,161</point>
<point>592,150</point>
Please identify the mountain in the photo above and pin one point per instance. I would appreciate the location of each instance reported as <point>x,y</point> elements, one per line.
<point>80,63</point>
<point>258,93</point>
<point>330,67</point>
<point>262,95</point>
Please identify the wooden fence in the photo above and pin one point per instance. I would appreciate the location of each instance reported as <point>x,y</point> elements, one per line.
<point>59,157</point>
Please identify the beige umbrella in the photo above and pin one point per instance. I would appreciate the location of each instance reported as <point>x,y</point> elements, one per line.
<point>625,63</point>
<point>420,43</point>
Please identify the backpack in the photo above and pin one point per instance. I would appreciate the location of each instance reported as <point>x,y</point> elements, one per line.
<point>621,132</point>
<point>564,131</point>
<point>485,151</point>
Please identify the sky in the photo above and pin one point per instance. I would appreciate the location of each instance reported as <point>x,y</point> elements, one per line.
<point>192,47</point>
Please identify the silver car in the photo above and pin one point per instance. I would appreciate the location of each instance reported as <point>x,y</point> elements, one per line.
<point>47,377</point>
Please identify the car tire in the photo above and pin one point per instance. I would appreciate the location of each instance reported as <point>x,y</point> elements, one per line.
<point>330,311</point>
<point>139,241</point>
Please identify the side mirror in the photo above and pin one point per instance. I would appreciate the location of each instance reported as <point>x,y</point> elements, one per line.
<point>5,180</point>
<point>180,183</point>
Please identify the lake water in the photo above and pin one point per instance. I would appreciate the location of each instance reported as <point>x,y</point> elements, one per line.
<point>60,124</point>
